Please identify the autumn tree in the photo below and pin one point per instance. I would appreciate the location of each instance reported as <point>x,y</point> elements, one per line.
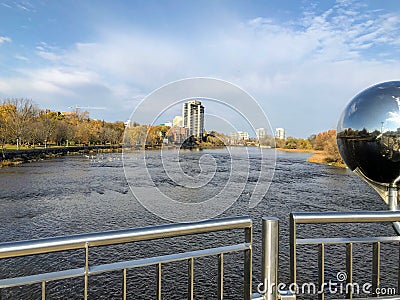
<point>154,136</point>
<point>81,132</point>
<point>290,143</point>
<point>3,132</point>
<point>136,135</point>
<point>330,147</point>
<point>47,123</point>
<point>322,139</point>
<point>22,122</point>
<point>20,115</point>
<point>63,132</point>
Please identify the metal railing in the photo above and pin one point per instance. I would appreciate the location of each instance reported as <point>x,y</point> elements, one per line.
<point>87,241</point>
<point>341,217</point>
<point>270,245</point>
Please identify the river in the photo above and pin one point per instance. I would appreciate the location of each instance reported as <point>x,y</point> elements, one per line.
<point>77,194</point>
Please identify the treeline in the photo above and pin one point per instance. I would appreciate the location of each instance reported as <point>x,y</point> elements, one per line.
<point>23,124</point>
<point>140,136</point>
<point>323,141</point>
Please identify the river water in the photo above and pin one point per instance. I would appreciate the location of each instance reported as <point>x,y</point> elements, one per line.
<point>79,194</point>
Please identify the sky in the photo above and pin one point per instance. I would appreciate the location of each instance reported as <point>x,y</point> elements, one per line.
<point>302,61</point>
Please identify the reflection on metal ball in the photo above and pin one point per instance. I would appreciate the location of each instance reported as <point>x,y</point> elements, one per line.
<point>368,133</point>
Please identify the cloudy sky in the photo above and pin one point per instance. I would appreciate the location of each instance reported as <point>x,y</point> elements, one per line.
<point>301,60</point>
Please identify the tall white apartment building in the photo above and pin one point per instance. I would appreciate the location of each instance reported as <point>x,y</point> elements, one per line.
<point>280,133</point>
<point>261,133</point>
<point>193,118</point>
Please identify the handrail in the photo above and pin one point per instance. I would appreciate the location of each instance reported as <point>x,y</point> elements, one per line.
<point>345,217</point>
<point>80,241</point>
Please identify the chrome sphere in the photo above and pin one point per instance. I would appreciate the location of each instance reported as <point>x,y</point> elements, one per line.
<point>368,133</point>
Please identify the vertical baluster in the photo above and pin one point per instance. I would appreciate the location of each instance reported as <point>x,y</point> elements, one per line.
<point>248,271</point>
<point>86,271</point>
<point>292,240</point>
<point>398,274</point>
<point>321,271</point>
<point>159,277</point>
<point>43,290</point>
<point>349,271</point>
<point>124,284</point>
<point>376,267</point>
<point>220,276</point>
<point>191,278</point>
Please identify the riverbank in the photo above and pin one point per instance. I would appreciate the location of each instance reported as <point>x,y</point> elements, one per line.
<point>318,157</point>
<point>298,150</point>
<point>16,157</point>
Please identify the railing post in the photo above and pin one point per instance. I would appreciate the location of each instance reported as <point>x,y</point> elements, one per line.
<point>269,259</point>
<point>248,269</point>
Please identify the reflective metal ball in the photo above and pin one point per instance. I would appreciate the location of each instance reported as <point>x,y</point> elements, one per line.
<point>368,133</point>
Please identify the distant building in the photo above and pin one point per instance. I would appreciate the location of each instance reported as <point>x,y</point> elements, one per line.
<point>280,133</point>
<point>69,113</point>
<point>128,124</point>
<point>177,134</point>
<point>261,133</point>
<point>242,135</point>
<point>193,118</point>
<point>178,121</point>
<point>238,137</point>
<point>169,124</point>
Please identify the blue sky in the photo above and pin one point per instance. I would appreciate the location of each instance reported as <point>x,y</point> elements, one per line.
<point>301,60</point>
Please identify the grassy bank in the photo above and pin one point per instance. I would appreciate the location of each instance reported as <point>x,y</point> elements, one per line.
<point>322,158</point>
<point>298,150</point>
<point>318,157</point>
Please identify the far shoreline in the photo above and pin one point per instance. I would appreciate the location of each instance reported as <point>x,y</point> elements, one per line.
<point>16,157</point>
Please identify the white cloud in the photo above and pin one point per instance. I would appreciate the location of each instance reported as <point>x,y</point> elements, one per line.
<point>48,52</point>
<point>6,5</point>
<point>48,55</point>
<point>394,119</point>
<point>4,39</point>
<point>21,57</point>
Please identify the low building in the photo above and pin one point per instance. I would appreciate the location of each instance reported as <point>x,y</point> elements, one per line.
<point>239,137</point>
<point>177,134</point>
<point>243,136</point>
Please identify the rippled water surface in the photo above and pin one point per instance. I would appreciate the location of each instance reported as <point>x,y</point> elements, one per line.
<point>78,194</point>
